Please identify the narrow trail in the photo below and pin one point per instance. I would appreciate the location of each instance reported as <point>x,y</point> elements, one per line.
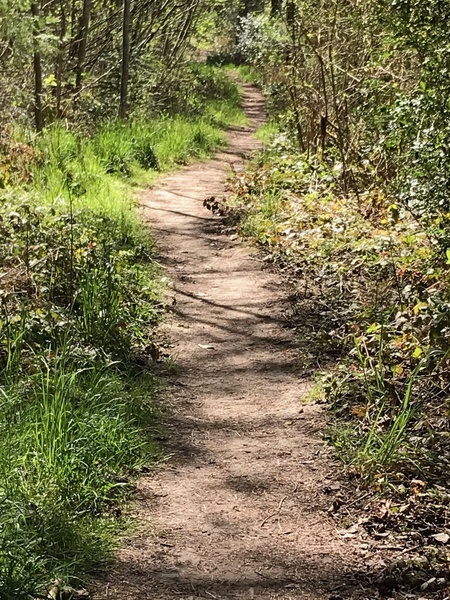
<point>240,509</point>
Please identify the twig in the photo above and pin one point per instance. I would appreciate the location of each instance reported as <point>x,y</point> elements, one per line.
<point>363,497</point>
<point>405,550</point>
<point>277,512</point>
<point>262,575</point>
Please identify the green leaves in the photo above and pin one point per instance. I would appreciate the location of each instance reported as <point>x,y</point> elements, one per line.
<point>447,254</point>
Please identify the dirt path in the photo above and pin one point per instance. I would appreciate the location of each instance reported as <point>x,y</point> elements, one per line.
<point>240,510</point>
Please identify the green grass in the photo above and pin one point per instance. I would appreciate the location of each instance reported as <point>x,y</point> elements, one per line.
<point>67,438</point>
<point>245,73</point>
<point>267,132</point>
<point>224,114</point>
<point>177,140</point>
<point>97,172</point>
<point>88,169</point>
<point>76,413</point>
<point>383,447</point>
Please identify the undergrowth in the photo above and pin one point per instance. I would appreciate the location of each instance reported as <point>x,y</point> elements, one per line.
<point>80,295</point>
<point>372,306</point>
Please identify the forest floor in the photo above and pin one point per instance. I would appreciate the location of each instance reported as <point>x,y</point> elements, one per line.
<point>241,508</point>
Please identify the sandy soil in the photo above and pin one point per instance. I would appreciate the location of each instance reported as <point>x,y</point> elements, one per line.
<point>241,508</point>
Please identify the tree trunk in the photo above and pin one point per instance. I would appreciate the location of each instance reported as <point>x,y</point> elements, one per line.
<point>290,13</point>
<point>38,89</point>
<point>82,43</point>
<point>125,75</point>
<point>275,7</point>
<point>245,8</point>
<point>60,60</point>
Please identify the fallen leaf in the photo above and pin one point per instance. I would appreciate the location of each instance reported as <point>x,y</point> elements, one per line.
<point>441,537</point>
<point>359,411</point>
<point>417,485</point>
<point>348,533</point>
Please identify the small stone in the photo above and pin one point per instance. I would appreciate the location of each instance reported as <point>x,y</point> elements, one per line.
<point>428,585</point>
<point>441,583</point>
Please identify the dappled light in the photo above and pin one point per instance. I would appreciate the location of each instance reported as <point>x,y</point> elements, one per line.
<point>224,299</point>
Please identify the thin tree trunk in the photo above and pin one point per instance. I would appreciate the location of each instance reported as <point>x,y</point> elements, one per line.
<point>60,61</point>
<point>38,89</point>
<point>82,43</point>
<point>245,8</point>
<point>290,13</point>
<point>275,7</point>
<point>125,75</point>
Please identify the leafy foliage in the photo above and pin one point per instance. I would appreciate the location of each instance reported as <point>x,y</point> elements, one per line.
<point>379,285</point>
<point>79,299</point>
<point>352,197</point>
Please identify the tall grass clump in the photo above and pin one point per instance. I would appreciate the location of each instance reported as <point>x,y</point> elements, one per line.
<point>68,167</point>
<point>178,139</point>
<point>378,442</point>
<point>79,298</point>
<point>70,438</point>
<point>87,169</point>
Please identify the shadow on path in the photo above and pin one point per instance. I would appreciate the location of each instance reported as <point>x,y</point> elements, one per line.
<point>241,508</point>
